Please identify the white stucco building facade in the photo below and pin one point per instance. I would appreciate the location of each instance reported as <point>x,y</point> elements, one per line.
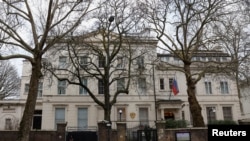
<point>150,97</point>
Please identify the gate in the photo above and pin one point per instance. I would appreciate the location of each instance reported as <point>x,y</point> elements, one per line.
<point>76,134</point>
<point>147,135</point>
<point>141,134</point>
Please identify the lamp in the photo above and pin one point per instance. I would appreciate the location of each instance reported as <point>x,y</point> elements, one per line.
<point>120,112</point>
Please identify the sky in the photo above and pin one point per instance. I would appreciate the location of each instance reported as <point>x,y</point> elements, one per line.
<point>18,63</point>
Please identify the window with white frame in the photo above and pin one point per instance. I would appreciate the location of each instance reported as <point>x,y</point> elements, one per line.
<point>120,63</point>
<point>8,124</point>
<point>142,85</point>
<point>140,62</point>
<point>208,87</point>
<point>227,113</point>
<point>82,118</point>
<point>224,87</point>
<point>101,61</point>
<point>121,84</point>
<point>26,87</point>
<point>62,62</point>
<point>164,59</point>
<point>170,82</point>
<point>143,116</point>
<point>162,84</point>
<point>83,61</point>
<point>40,89</point>
<point>83,91</point>
<point>59,116</point>
<point>211,113</point>
<point>61,87</point>
<point>100,86</point>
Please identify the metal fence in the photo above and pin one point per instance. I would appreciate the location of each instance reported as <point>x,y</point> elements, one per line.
<point>136,130</point>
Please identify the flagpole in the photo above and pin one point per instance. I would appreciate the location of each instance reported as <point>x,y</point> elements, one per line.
<point>170,94</point>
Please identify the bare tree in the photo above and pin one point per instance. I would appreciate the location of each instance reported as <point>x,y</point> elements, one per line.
<point>26,26</point>
<point>184,29</point>
<point>9,80</point>
<point>105,56</point>
<point>243,25</point>
<point>234,37</point>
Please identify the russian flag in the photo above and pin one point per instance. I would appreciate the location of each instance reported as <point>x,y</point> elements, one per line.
<point>175,88</point>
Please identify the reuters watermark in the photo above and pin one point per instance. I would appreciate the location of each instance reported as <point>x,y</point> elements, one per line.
<point>239,132</point>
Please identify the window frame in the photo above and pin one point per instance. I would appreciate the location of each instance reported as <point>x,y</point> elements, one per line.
<point>100,87</point>
<point>229,115</point>
<point>101,61</point>
<point>60,119</point>
<point>61,87</point>
<point>164,59</point>
<point>162,84</point>
<point>143,118</point>
<point>140,62</point>
<point>8,124</point>
<point>83,91</point>
<point>83,61</point>
<point>170,82</point>
<point>210,114</point>
<point>37,116</point>
<point>62,62</point>
<point>40,90</point>
<point>120,62</point>
<point>208,87</point>
<point>224,88</point>
<point>120,84</point>
<point>84,118</point>
<point>142,85</point>
<point>26,87</point>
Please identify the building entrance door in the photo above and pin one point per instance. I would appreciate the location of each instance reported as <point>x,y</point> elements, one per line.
<point>168,115</point>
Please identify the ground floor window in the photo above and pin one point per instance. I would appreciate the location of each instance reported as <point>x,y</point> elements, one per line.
<point>227,113</point>
<point>59,116</point>
<point>8,124</point>
<point>211,114</point>
<point>37,119</point>
<point>143,116</point>
<point>82,118</point>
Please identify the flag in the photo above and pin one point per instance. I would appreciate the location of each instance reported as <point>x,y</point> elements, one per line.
<point>175,88</point>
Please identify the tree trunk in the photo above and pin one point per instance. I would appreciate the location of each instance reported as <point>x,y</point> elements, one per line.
<point>107,112</point>
<point>107,109</point>
<point>26,122</point>
<point>195,108</point>
<point>238,90</point>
